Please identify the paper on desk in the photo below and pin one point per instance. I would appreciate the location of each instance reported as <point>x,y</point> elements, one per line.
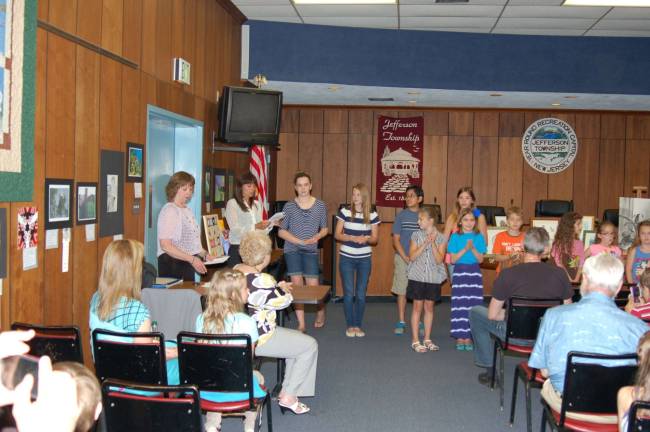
<point>51,239</point>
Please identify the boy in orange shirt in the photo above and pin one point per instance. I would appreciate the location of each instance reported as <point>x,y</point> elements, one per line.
<point>509,245</point>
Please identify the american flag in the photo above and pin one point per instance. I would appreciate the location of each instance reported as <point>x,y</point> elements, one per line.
<point>260,171</point>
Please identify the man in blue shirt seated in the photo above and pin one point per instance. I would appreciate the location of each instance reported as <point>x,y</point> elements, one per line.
<point>593,325</point>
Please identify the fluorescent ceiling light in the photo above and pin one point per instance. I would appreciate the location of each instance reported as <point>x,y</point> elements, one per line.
<point>345,2</point>
<point>611,3</point>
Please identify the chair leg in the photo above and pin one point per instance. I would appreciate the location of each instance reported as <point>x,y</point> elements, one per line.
<point>501,382</point>
<point>513,402</point>
<point>529,420</point>
<point>268,413</point>
<point>494,365</point>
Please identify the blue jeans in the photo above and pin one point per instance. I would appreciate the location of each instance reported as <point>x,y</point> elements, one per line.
<point>348,267</point>
<point>482,328</point>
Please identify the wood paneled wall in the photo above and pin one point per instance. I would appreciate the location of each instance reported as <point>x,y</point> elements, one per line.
<point>480,148</point>
<point>87,102</point>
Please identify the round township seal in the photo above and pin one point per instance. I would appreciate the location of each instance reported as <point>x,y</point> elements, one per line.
<point>549,145</point>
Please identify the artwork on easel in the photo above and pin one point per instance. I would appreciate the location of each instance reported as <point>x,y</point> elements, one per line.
<point>213,233</point>
<point>27,227</point>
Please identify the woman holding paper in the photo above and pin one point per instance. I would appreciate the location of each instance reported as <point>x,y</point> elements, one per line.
<point>180,253</point>
<point>243,214</point>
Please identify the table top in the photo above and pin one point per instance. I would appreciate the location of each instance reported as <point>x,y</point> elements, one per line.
<point>302,294</point>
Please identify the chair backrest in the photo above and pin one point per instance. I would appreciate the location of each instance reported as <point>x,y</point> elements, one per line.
<point>637,420</point>
<point>552,208</point>
<point>490,212</point>
<point>126,411</point>
<point>220,363</point>
<point>592,387</point>
<point>122,356</point>
<point>611,215</point>
<point>524,315</point>
<point>59,343</point>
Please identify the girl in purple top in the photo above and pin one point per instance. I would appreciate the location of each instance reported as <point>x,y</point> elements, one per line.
<point>568,251</point>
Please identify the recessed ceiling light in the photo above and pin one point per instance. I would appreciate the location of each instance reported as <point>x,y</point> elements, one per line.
<point>611,3</point>
<point>345,1</point>
<point>413,101</point>
<point>333,88</point>
<point>414,92</point>
<point>570,97</point>
<point>496,94</point>
<point>556,104</point>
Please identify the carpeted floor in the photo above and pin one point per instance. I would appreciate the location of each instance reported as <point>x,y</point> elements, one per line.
<point>378,383</point>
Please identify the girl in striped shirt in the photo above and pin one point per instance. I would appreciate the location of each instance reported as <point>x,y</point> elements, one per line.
<point>426,271</point>
<point>357,230</point>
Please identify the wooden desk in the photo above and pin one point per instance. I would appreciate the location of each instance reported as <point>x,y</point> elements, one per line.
<point>302,294</point>
<point>276,254</point>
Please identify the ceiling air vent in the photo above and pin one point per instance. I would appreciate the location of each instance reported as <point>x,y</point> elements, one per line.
<point>380,99</point>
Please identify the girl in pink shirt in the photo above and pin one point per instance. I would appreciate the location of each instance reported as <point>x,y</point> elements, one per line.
<point>568,251</point>
<point>605,241</point>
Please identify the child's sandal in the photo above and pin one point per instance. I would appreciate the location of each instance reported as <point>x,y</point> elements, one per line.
<point>428,344</point>
<point>418,347</point>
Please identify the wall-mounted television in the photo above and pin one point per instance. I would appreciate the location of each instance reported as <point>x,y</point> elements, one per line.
<point>250,116</point>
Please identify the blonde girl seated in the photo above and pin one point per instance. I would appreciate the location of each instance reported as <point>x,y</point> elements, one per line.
<point>223,314</point>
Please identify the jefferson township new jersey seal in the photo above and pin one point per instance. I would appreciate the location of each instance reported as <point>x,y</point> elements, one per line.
<point>549,145</point>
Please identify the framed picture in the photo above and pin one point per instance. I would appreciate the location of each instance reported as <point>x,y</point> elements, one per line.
<point>111,193</point>
<point>549,224</point>
<point>220,187</point>
<point>588,224</point>
<point>134,162</point>
<point>631,211</point>
<point>207,184</point>
<point>58,203</point>
<point>491,235</point>
<point>231,185</point>
<point>588,238</point>
<point>27,227</point>
<point>86,203</point>
<point>213,235</point>
<point>501,221</point>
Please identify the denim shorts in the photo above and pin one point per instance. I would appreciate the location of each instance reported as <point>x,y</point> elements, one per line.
<point>302,264</point>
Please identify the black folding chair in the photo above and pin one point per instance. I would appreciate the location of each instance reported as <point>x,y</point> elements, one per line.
<point>120,356</point>
<point>523,317</point>
<point>221,363</point>
<point>127,410</point>
<point>59,343</point>
<point>638,419</point>
<point>590,388</point>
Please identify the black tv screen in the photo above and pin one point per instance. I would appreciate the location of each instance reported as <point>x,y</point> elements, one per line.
<point>250,116</point>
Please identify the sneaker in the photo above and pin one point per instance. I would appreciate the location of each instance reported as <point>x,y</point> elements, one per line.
<point>400,327</point>
<point>485,378</point>
<point>350,332</point>
<point>469,347</point>
<point>359,333</point>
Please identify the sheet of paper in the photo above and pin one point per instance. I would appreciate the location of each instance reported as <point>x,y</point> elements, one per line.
<point>66,234</point>
<point>90,232</point>
<point>30,258</point>
<point>137,190</point>
<point>51,239</point>
<point>1,286</point>
<point>65,256</point>
<point>117,237</point>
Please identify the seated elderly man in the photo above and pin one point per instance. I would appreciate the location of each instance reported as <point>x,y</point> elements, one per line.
<point>533,278</point>
<point>594,324</point>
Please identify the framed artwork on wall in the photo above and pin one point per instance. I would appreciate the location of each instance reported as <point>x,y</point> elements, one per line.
<point>86,203</point>
<point>501,221</point>
<point>548,223</point>
<point>588,238</point>
<point>134,162</point>
<point>111,193</point>
<point>58,203</point>
<point>220,187</point>
<point>207,184</point>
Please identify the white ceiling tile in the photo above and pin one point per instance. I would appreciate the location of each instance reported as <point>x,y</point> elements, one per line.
<point>261,2</point>
<point>620,33</point>
<point>373,22</point>
<point>451,29</point>
<point>471,2</point>
<point>538,31</point>
<point>536,2</point>
<point>293,19</point>
<point>438,22</point>
<point>626,24</point>
<point>542,23</point>
<point>347,10</point>
<point>628,12</point>
<point>257,12</point>
<point>449,10</point>
<point>521,11</point>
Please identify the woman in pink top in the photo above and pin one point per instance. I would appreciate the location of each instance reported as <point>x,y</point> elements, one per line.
<point>180,253</point>
<point>568,251</point>
<point>605,241</point>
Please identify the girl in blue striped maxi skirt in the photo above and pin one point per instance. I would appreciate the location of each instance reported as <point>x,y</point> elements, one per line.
<point>466,247</point>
